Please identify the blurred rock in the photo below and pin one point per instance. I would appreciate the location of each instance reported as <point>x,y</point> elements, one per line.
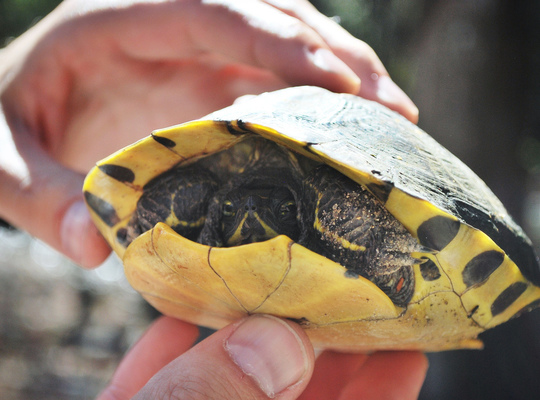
<point>63,329</point>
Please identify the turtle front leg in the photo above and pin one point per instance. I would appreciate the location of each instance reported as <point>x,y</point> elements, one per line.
<point>344,222</point>
<point>179,198</point>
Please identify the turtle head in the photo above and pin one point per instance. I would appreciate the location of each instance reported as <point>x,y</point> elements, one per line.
<point>256,213</point>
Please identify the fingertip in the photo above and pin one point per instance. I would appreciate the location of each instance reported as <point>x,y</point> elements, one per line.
<point>383,89</point>
<point>80,239</point>
<point>390,93</point>
<point>411,373</point>
<point>169,333</point>
<point>420,363</point>
<point>273,352</point>
<point>413,115</point>
<point>335,74</point>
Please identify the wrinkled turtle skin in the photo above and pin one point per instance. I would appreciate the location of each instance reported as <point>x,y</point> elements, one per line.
<point>379,239</point>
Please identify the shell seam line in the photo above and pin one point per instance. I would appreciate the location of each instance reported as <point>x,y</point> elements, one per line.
<point>459,296</point>
<point>289,256</point>
<point>176,273</point>
<point>182,158</point>
<point>312,324</point>
<point>224,282</point>
<point>470,316</point>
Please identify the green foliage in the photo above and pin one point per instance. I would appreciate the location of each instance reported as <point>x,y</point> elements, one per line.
<point>16,16</point>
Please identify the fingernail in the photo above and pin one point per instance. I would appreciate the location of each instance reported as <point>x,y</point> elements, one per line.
<point>268,350</point>
<point>389,92</point>
<point>73,229</point>
<point>328,61</point>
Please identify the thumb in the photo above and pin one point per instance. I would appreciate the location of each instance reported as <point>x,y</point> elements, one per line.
<point>44,198</point>
<point>257,358</point>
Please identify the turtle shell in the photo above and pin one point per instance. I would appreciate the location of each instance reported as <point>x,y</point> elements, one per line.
<point>478,269</point>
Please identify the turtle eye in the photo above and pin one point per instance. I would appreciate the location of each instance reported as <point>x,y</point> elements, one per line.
<point>228,208</point>
<point>287,208</point>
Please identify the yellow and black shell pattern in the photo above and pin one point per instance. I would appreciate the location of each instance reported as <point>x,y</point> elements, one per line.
<point>477,268</point>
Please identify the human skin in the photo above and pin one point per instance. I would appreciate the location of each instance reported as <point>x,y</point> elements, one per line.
<point>340,376</point>
<point>94,76</point>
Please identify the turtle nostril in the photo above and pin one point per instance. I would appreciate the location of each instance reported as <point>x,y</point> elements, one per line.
<point>251,204</point>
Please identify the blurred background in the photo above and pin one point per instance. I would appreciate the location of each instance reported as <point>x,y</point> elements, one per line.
<point>471,66</point>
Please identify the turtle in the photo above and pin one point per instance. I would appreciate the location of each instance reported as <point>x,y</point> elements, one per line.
<point>324,208</point>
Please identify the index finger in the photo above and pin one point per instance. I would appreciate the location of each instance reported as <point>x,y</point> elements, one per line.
<point>166,339</point>
<point>248,32</point>
<point>360,57</point>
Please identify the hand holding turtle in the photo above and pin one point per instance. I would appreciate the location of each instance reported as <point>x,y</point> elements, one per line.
<point>257,358</point>
<point>92,77</point>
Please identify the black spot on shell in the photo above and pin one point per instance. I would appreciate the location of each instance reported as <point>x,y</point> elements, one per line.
<point>507,297</point>
<point>430,271</point>
<point>243,126</point>
<point>303,321</point>
<point>122,174</point>
<point>481,267</point>
<point>437,232</point>
<point>105,210</point>
<point>514,242</point>
<point>474,309</point>
<point>381,191</point>
<point>122,236</point>
<point>237,127</point>
<point>168,143</point>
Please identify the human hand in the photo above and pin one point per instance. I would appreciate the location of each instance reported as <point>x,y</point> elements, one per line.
<point>92,77</point>
<point>257,358</point>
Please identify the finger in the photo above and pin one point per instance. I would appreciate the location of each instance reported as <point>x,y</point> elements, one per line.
<point>166,339</point>
<point>257,358</point>
<point>248,32</point>
<point>45,199</point>
<point>376,83</point>
<point>388,375</point>
<point>265,37</point>
<point>332,373</point>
